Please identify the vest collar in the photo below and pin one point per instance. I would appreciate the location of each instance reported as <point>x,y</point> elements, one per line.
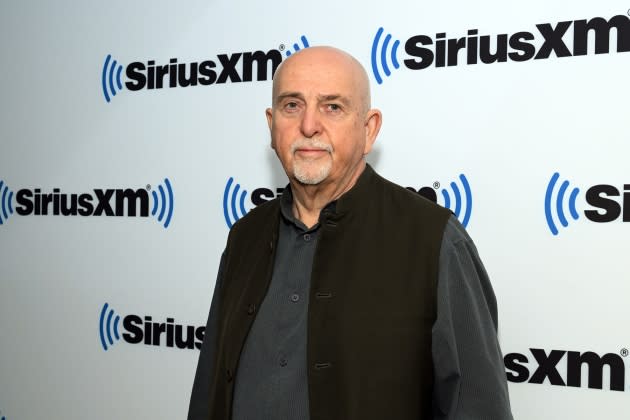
<point>357,199</point>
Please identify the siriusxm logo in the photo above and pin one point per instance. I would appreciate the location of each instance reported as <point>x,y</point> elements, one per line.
<point>545,367</point>
<point>455,197</point>
<point>99,202</point>
<point>424,51</point>
<point>296,46</point>
<point>6,202</point>
<point>143,330</point>
<point>233,68</point>
<point>607,209</point>
<point>234,200</point>
<point>461,202</point>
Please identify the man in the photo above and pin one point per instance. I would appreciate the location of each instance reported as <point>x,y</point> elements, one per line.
<point>349,297</point>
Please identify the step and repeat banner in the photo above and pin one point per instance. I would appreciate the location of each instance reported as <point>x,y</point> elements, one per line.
<point>133,137</point>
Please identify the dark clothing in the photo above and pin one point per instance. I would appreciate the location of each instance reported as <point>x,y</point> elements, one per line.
<point>380,331</point>
<point>271,376</point>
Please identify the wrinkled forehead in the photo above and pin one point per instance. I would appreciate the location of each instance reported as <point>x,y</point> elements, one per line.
<point>323,71</point>
<point>318,78</point>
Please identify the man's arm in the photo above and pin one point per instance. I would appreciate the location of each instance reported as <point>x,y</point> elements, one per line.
<point>199,399</point>
<point>470,381</point>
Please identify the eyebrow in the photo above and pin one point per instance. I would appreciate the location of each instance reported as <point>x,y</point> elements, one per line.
<point>320,98</point>
<point>334,97</point>
<point>285,95</point>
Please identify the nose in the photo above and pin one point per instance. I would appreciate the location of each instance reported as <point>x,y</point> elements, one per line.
<point>311,124</point>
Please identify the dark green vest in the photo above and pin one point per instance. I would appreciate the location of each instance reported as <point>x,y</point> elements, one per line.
<point>371,308</point>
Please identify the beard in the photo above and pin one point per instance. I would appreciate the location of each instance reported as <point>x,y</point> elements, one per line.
<point>311,171</point>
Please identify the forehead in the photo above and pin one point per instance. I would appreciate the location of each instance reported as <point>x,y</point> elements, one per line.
<point>318,75</point>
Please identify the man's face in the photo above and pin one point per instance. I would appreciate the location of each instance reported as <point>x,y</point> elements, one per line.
<point>318,119</point>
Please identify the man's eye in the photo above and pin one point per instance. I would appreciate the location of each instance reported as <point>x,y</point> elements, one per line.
<point>291,106</point>
<point>333,107</point>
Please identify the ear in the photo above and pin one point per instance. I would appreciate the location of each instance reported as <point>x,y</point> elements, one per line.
<point>269,115</point>
<point>373,122</point>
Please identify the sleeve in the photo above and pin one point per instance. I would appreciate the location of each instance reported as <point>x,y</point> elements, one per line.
<point>469,374</point>
<point>198,408</point>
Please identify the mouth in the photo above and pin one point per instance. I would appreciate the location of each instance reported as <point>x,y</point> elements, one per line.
<point>311,152</point>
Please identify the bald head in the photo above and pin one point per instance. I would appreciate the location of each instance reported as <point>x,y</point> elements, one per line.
<point>320,120</point>
<point>320,61</point>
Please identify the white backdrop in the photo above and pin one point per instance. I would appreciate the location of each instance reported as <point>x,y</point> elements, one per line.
<point>506,126</point>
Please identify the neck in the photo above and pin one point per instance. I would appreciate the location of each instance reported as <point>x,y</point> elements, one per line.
<point>309,200</point>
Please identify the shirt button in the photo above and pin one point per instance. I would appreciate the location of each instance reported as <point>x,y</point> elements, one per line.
<point>307,237</point>
<point>283,362</point>
<point>251,309</point>
<point>295,297</point>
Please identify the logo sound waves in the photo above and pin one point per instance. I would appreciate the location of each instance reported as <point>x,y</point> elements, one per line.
<point>459,202</point>
<point>108,78</point>
<point>231,210</point>
<point>559,204</point>
<point>6,200</point>
<point>108,324</point>
<point>383,55</point>
<point>296,47</point>
<point>164,203</point>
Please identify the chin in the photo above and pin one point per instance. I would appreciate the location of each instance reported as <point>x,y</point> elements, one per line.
<point>309,175</point>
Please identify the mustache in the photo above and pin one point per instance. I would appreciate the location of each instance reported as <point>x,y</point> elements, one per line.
<point>310,143</point>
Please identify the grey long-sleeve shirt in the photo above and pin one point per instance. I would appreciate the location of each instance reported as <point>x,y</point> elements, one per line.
<point>469,375</point>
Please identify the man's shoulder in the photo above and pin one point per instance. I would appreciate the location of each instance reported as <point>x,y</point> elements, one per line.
<point>259,213</point>
<point>257,218</point>
<point>407,201</point>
